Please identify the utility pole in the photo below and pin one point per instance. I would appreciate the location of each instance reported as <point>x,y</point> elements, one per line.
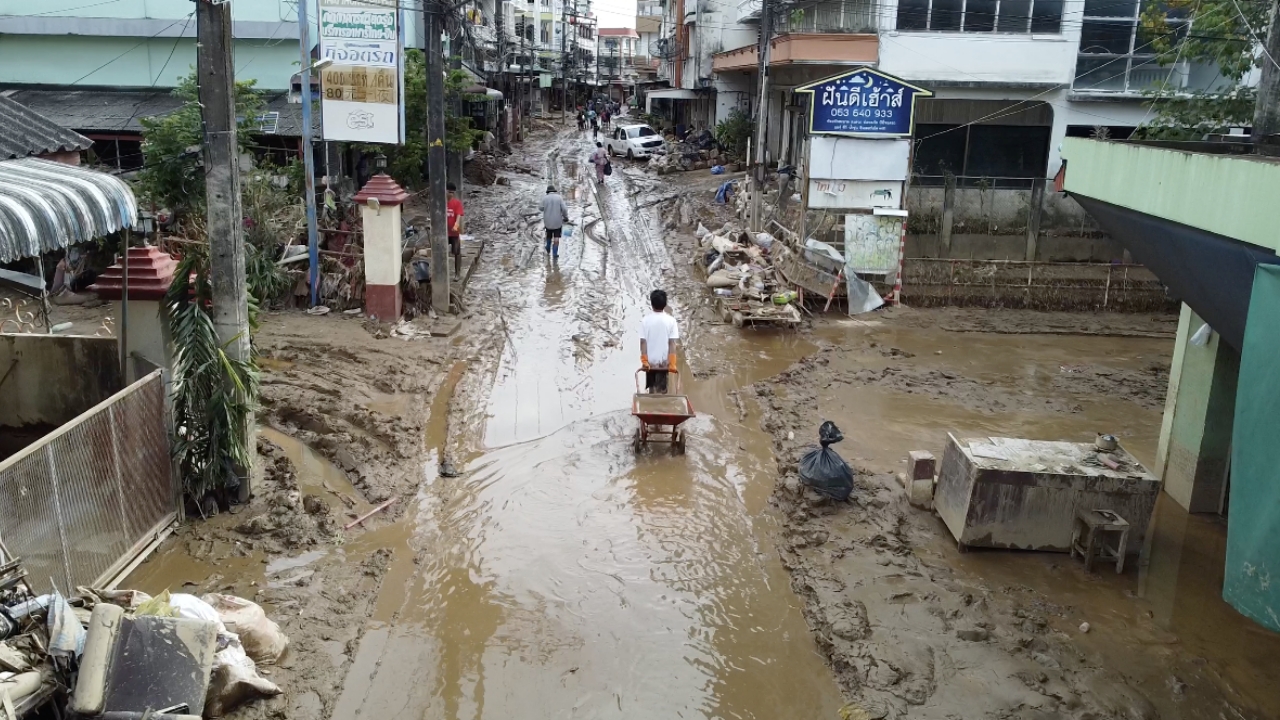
<point>224,219</point>
<point>762,115</point>
<point>1266,110</point>
<point>433,25</point>
<point>564,60</point>
<point>454,157</point>
<point>308,152</point>
<point>500,24</point>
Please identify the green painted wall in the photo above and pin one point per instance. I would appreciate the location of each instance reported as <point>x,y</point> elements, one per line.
<point>1231,196</point>
<point>122,62</point>
<point>253,10</point>
<point>1195,440</point>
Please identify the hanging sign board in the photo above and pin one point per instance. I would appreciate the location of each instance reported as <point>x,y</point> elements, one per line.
<point>846,158</point>
<point>854,194</point>
<point>362,89</point>
<point>864,102</point>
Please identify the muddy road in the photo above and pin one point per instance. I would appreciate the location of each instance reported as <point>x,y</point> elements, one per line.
<point>535,566</point>
<point>559,574</point>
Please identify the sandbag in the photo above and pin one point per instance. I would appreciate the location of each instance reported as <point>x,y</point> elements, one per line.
<point>261,636</point>
<point>234,681</point>
<point>723,278</point>
<point>823,469</point>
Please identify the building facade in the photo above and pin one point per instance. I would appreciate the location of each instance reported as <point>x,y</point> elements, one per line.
<point>1010,79</point>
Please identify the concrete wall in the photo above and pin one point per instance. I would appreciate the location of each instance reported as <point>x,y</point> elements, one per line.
<point>55,377</point>
<point>1195,435</point>
<point>1014,247</point>
<point>137,62</point>
<point>987,57</point>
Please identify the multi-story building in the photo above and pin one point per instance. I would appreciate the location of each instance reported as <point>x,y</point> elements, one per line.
<point>1010,79</point>
<point>621,61</point>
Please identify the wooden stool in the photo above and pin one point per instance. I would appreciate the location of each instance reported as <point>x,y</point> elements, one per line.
<point>1089,536</point>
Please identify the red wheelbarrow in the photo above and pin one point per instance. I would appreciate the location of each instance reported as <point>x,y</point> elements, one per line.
<point>660,415</point>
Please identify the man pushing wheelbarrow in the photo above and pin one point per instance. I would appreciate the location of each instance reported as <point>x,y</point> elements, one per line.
<point>660,412</point>
<point>659,339</point>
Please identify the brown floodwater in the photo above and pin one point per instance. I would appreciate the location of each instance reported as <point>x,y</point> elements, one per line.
<point>563,575</point>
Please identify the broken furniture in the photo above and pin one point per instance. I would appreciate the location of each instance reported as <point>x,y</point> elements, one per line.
<point>135,664</point>
<point>1025,494</point>
<point>1092,530</point>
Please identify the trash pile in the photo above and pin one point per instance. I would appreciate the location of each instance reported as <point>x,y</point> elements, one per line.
<point>742,277</point>
<point>125,654</point>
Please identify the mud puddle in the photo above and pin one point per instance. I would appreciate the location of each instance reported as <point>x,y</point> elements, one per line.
<point>562,571</point>
<point>317,476</point>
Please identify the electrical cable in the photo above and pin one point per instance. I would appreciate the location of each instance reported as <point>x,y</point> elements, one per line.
<point>1261,45</point>
<point>135,47</point>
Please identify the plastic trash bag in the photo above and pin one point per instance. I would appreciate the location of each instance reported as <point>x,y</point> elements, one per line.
<point>260,636</point>
<point>717,170</point>
<point>701,231</point>
<point>823,469</point>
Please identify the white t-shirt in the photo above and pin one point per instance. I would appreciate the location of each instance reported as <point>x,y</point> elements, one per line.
<point>657,330</point>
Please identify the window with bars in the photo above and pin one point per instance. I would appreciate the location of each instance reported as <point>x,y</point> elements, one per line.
<point>1115,52</point>
<point>981,16</point>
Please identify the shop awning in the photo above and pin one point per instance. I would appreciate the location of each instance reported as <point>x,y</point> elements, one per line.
<point>668,94</point>
<point>47,206</point>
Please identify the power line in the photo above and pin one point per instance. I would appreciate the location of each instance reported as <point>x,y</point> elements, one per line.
<point>135,47</point>
<point>1254,35</point>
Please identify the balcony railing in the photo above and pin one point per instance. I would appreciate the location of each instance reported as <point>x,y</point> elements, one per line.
<point>834,16</point>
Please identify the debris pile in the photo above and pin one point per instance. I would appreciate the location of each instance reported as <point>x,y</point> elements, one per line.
<point>104,652</point>
<point>740,274</point>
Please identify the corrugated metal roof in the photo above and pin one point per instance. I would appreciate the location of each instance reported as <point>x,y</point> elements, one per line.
<point>47,206</point>
<point>25,132</point>
<point>121,111</point>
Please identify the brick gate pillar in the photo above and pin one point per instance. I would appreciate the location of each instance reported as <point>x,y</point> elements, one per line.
<point>380,201</point>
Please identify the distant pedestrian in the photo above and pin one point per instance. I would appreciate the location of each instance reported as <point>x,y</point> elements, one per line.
<point>554,215</point>
<point>582,120</point>
<point>599,158</point>
<point>595,127</point>
<point>659,340</point>
<point>453,221</point>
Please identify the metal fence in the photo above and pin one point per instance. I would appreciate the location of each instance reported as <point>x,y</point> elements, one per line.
<point>79,504</point>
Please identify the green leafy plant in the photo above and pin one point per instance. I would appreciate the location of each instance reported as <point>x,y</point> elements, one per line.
<point>171,148</point>
<point>1219,34</point>
<point>459,136</point>
<point>734,131</point>
<point>213,394</point>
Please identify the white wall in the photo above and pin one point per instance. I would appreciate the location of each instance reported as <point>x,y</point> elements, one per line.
<point>989,58</point>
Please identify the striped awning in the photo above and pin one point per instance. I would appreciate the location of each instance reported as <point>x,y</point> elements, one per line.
<point>47,206</point>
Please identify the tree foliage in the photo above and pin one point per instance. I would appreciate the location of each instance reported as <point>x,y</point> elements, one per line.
<point>734,131</point>
<point>407,162</point>
<point>1219,33</point>
<point>171,147</point>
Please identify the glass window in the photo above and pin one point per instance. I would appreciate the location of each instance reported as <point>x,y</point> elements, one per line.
<point>1106,37</point>
<point>1110,8</point>
<point>1046,16</point>
<point>1015,16</point>
<point>939,149</point>
<point>980,15</point>
<point>913,14</point>
<point>1007,151</point>
<point>946,15</point>
<point>1101,73</point>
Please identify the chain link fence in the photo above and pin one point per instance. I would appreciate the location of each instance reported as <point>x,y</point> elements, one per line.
<point>78,505</point>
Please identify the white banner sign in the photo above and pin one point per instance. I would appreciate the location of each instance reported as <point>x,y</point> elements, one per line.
<point>854,194</point>
<point>872,243</point>
<point>362,89</point>
<point>843,158</point>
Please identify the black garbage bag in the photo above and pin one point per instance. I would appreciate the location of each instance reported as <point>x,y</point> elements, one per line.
<point>823,469</point>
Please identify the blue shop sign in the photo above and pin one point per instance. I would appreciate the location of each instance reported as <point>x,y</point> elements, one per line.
<point>862,102</point>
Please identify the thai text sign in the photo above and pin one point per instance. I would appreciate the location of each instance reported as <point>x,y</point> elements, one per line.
<point>854,194</point>
<point>862,102</point>
<point>362,88</point>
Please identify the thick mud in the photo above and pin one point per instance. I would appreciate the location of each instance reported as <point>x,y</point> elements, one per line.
<point>534,565</point>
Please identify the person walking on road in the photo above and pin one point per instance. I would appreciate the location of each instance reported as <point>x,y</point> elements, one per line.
<point>453,221</point>
<point>599,158</point>
<point>554,215</point>
<point>659,340</point>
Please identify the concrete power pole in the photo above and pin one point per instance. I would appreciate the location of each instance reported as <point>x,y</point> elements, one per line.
<point>564,61</point>
<point>1266,111</point>
<point>500,24</point>
<point>225,214</point>
<point>433,25</point>
<point>762,113</point>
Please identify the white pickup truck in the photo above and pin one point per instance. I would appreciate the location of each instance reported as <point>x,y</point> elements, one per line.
<point>633,141</point>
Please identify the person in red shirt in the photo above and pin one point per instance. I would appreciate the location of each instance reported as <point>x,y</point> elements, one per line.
<point>453,220</point>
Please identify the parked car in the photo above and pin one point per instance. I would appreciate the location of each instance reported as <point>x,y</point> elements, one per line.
<point>635,141</point>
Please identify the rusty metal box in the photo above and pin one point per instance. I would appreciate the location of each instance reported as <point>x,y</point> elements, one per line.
<point>1023,494</point>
